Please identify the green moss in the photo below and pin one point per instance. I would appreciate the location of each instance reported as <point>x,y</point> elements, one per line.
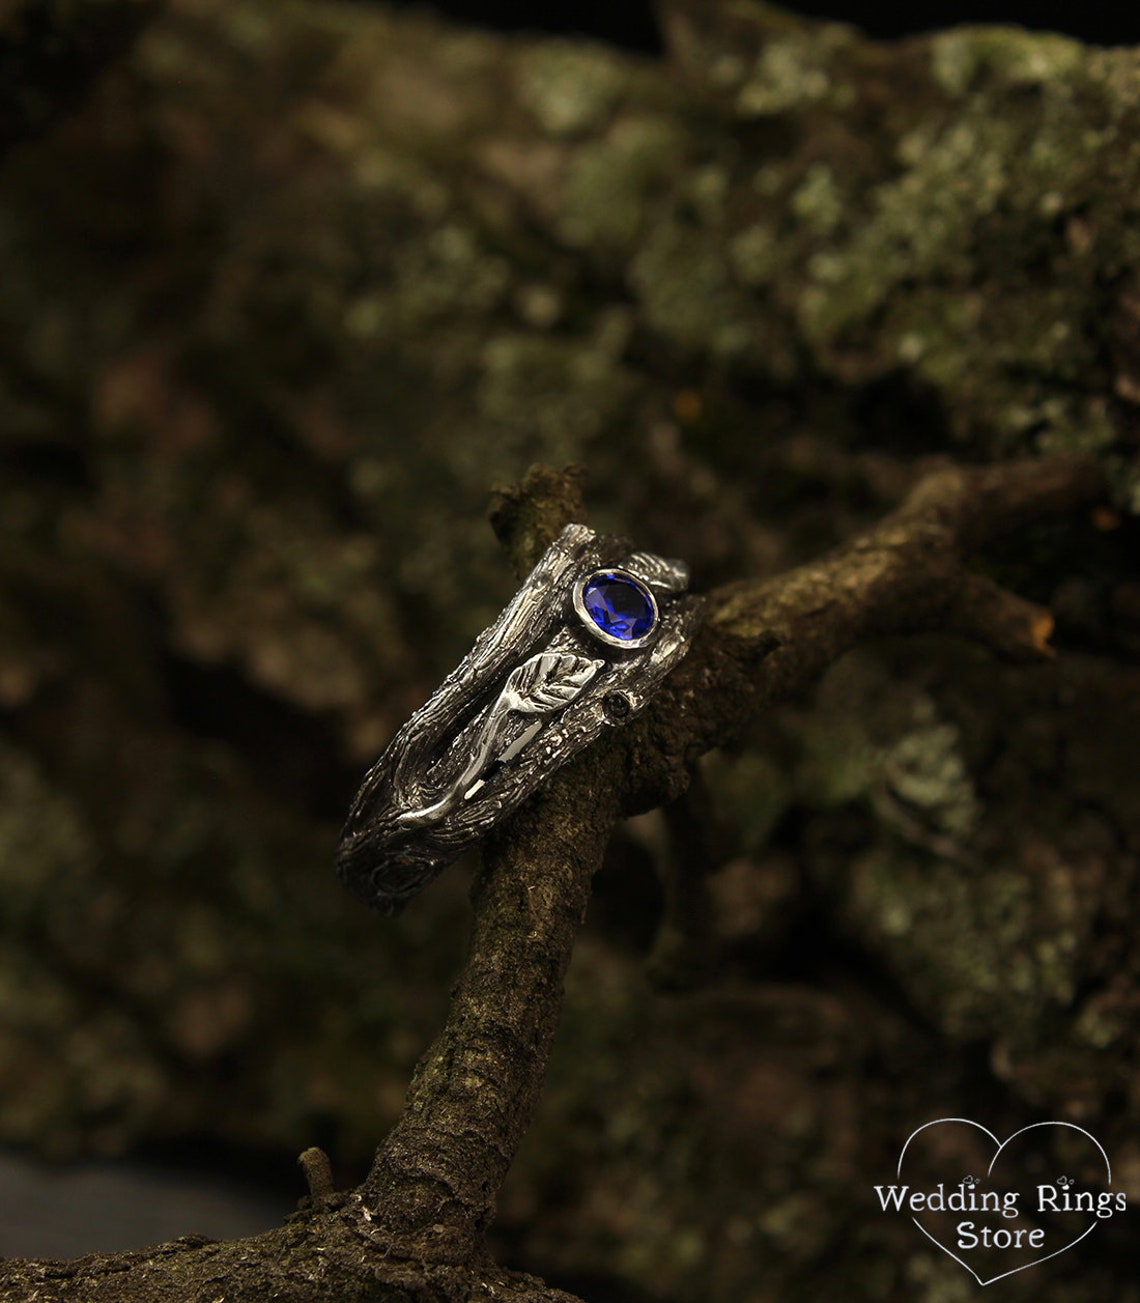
<point>964,946</point>
<point>751,793</point>
<point>937,1280</point>
<point>925,770</point>
<point>988,932</point>
<point>963,57</point>
<point>923,225</point>
<point>755,255</point>
<point>686,292</point>
<point>980,195</point>
<point>444,272</point>
<point>818,202</point>
<point>45,847</point>
<point>795,1225</point>
<point>75,1076</point>
<point>793,71</point>
<point>609,182</point>
<point>569,87</point>
<point>1100,1027</point>
<point>545,398</point>
<point>838,760</point>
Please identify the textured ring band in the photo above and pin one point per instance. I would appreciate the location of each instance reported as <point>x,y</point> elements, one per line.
<point>579,648</point>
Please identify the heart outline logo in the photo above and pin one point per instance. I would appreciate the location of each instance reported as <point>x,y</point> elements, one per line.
<point>1000,1145</point>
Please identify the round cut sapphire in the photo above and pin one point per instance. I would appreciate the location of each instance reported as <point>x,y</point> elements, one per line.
<point>621,606</point>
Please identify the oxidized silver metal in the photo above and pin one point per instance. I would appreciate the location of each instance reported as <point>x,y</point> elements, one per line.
<point>540,684</point>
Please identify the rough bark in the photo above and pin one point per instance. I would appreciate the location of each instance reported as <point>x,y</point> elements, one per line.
<point>279,304</point>
<point>432,1190</point>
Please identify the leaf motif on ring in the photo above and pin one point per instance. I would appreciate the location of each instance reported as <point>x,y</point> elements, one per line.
<point>544,683</point>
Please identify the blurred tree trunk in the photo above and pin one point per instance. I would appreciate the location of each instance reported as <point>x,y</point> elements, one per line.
<point>285,290</point>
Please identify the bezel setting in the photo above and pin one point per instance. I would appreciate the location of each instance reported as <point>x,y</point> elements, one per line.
<point>592,626</point>
<point>532,692</point>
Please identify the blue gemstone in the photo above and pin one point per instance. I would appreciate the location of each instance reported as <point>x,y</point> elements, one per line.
<point>619,605</point>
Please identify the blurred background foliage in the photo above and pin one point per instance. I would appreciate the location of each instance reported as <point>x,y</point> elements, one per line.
<point>287,288</point>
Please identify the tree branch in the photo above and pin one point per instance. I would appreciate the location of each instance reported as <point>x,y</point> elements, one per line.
<point>425,1206</point>
<point>430,1195</point>
<point>436,1176</point>
<point>906,575</point>
<point>434,1181</point>
<point>320,215</point>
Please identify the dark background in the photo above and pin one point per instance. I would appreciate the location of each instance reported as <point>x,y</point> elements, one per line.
<point>235,745</point>
<point>631,24</point>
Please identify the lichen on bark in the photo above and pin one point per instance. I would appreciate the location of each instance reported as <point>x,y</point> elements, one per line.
<point>286,297</point>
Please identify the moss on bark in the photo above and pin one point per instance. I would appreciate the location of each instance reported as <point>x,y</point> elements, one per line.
<point>302,281</point>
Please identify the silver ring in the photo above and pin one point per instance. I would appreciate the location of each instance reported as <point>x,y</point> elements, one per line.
<point>579,649</point>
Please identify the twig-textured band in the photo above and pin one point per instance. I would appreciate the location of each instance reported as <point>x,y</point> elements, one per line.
<point>579,649</point>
